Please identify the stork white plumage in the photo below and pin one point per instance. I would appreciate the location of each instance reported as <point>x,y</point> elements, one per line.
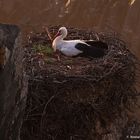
<point>74,48</point>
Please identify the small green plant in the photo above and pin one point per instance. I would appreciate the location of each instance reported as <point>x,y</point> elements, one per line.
<point>44,49</point>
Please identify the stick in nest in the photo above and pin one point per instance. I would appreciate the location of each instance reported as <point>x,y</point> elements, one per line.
<point>50,37</point>
<point>48,33</point>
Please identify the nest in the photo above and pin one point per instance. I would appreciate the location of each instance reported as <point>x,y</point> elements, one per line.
<point>78,98</point>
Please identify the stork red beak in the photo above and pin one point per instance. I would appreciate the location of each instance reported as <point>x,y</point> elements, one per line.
<point>58,34</point>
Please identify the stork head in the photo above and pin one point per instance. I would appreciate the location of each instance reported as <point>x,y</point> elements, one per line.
<point>62,32</point>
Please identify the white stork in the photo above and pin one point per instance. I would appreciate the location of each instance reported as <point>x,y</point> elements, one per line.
<point>73,48</point>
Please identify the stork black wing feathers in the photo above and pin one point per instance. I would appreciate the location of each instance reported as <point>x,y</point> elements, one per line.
<point>93,49</point>
<point>98,44</point>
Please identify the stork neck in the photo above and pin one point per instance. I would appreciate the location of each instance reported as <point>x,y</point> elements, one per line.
<point>59,38</point>
<point>57,41</point>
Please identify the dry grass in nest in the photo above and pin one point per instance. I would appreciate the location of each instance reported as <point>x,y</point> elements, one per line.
<point>75,98</point>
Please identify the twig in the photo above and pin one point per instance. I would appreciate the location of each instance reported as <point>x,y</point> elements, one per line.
<point>48,33</point>
<point>44,110</point>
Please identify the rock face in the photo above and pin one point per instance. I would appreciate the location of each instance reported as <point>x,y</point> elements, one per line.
<point>13,84</point>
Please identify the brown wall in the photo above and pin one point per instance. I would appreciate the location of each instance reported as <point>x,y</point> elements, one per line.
<point>116,15</point>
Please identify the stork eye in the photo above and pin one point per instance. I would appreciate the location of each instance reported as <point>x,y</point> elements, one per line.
<point>60,32</point>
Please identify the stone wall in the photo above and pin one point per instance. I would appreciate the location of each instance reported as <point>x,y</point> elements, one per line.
<point>13,83</point>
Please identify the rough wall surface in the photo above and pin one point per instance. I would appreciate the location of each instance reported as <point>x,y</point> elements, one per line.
<point>13,84</point>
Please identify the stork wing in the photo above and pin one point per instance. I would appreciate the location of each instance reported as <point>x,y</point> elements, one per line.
<point>91,51</point>
<point>98,44</point>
